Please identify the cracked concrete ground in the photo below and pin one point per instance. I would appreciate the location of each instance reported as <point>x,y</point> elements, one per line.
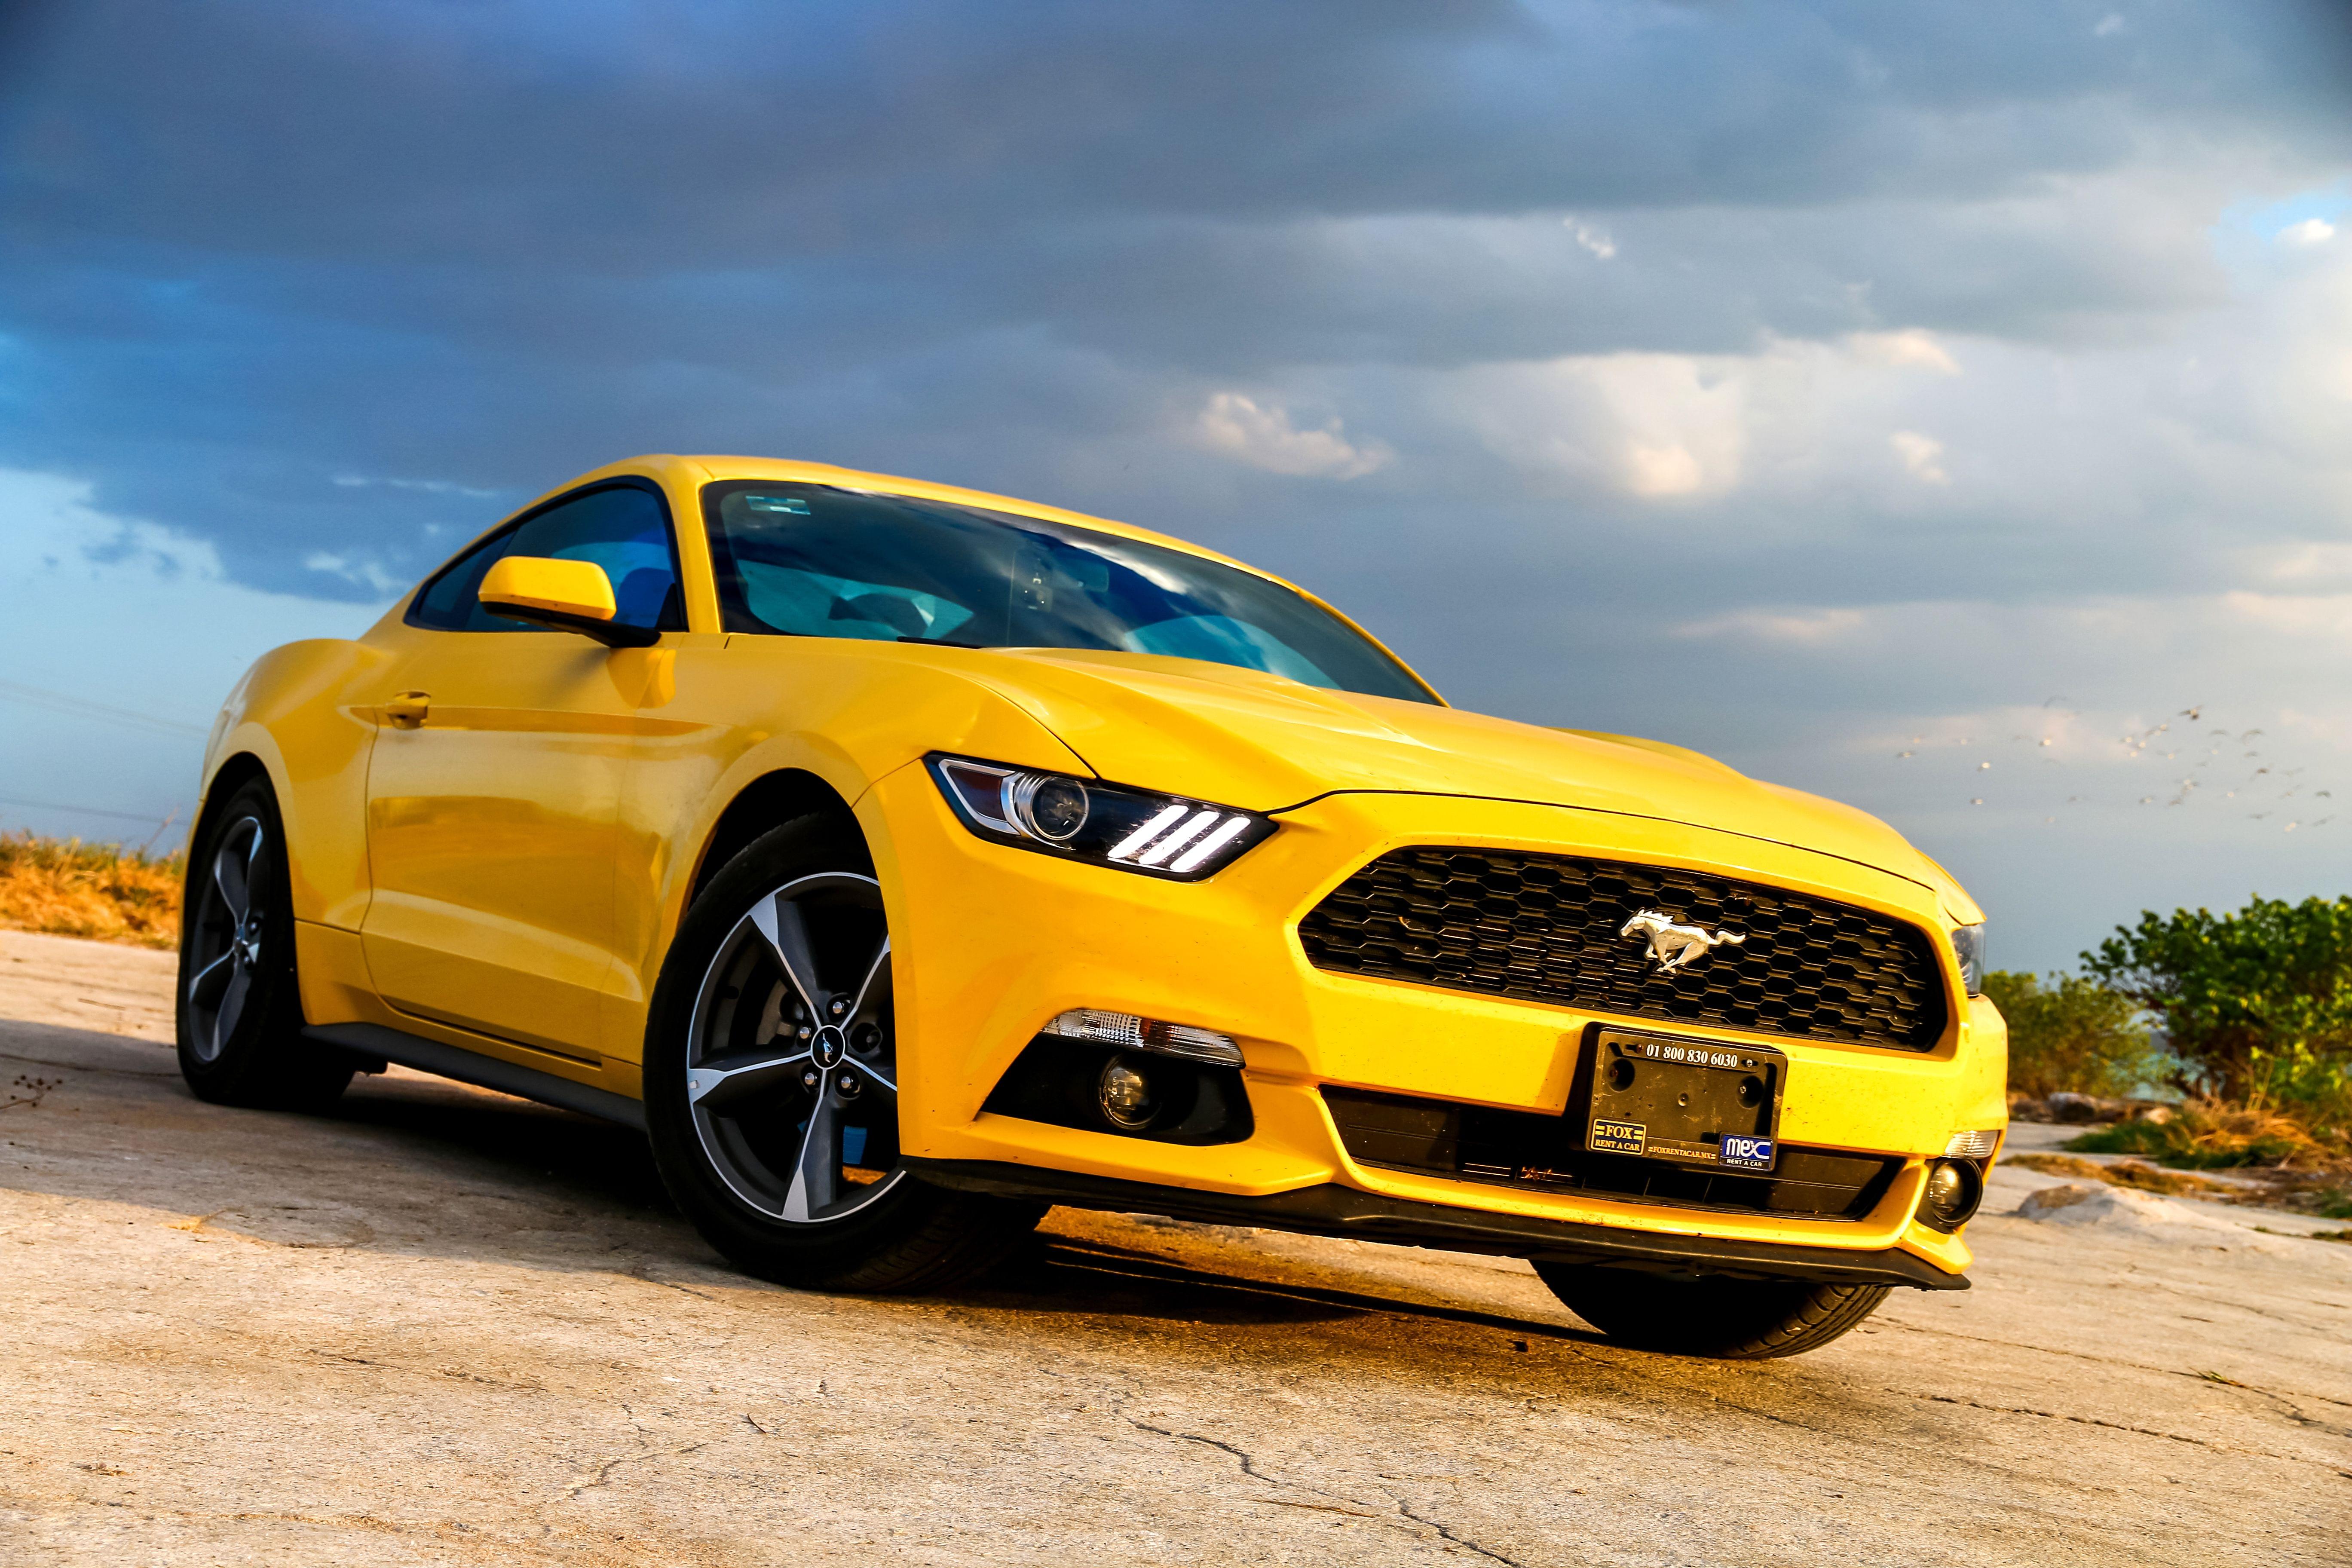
<point>443,1326</point>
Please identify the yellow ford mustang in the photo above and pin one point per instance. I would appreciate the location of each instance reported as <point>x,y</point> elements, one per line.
<point>905,860</point>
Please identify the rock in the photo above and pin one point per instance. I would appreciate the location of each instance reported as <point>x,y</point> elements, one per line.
<point>2158,1114</point>
<point>2025,1108</point>
<point>2128,1212</point>
<point>2045,1203</point>
<point>2065,1106</point>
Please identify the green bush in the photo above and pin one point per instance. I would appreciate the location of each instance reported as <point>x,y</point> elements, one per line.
<point>2255,1005</point>
<point>2072,1034</point>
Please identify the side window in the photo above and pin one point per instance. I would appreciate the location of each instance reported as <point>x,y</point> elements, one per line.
<point>448,604</point>
<point>623,529</point>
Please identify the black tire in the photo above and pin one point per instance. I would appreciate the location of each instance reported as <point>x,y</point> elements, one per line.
<point>762,1161</point>
<point>1713,1315</point>
<point>239,1008</point>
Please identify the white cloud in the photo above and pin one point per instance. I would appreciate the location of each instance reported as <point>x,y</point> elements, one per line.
<point>2327,617</point>
<point>2311,231</point>
<point>1911,349</point>
<point>2109,25</point>
<point>2301,563</point>
<point>425,487</point>
<point>1806,629</point>
<point>363,572</point>
<point>1656,426</point>
<point>1262,435</point>
<point>1922,456</point>
<point>1596,240</point>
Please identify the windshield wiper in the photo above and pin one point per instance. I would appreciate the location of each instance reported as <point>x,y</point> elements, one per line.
<point>944,642</point>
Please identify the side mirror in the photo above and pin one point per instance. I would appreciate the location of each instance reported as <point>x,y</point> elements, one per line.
<point>562,595</point>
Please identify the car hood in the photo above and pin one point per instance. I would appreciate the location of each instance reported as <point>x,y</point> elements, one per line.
<point>1247,739</point>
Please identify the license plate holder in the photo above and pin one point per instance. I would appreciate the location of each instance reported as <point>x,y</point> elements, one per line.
<point>1695,1102</point>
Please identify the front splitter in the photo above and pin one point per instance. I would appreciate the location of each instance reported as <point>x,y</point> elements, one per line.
<point>1333,1210</point>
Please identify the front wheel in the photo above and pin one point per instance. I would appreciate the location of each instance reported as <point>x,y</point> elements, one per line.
<point>772,1082</point>
<point>240,1013</point>
<point>1713,1315</point>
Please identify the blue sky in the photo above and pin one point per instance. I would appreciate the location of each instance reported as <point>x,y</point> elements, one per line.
<point>1808,383</point>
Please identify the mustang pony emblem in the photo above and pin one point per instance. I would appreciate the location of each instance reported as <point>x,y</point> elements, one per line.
<point>1674,945</point>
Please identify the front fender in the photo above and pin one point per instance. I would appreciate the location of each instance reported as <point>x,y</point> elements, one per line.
<point>293,713</point>
<point>726,718</point>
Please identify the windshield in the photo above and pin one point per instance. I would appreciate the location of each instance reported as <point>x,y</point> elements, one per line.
<point>808,559</point>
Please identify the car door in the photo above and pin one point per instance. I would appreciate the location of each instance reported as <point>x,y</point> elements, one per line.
<point>494,786</point>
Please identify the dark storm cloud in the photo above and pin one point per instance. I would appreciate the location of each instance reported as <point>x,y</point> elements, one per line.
<point>254,249</point>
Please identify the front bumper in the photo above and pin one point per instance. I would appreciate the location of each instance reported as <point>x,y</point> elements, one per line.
<point>998,940</point>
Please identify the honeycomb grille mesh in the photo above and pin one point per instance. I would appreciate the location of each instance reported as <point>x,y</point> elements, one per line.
<point>1545,927</point>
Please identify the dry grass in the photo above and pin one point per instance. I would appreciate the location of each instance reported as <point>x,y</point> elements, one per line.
<point>2203,1134</point>
<point>66,888</point>
<point>2122,1173</point>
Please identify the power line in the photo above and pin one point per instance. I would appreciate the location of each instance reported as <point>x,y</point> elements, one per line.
<point>91,810</point>
<point>82,707</point>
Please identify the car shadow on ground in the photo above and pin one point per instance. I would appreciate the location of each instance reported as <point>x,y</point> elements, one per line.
<point>567,1167</point>
<point>1062,1273</point>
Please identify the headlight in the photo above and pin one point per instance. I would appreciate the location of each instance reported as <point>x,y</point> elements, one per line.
<point>1968,947</point>
<point>1086,819</point>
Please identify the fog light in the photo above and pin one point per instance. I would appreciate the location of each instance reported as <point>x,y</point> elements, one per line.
<point>1954,1190</point>
<point>1973,1145</point>
<point>1125,1096</point>
<point>1193,1044</point>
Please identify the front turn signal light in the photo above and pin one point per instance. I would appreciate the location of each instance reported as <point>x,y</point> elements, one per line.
<point>1087,819</point>
<point>1972,1146</point>
<point>1130,1032</point>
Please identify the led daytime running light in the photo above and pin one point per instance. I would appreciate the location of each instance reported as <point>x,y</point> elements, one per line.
<point>1087,819</point>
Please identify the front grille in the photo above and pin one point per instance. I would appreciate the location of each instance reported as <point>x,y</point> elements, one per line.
<point>1544,928</point>
<point>1523,1149</point>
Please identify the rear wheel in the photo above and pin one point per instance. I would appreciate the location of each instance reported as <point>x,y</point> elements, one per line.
<point>772,1082</point>
<point>240,1011</point>
<point>1713,1315</point>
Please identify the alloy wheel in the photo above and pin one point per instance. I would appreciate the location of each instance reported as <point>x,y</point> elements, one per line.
<point>791,1066</point>
<point>229,937</point>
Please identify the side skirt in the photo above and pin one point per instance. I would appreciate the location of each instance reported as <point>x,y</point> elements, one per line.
<point>1334,1210</point>
<point>484,1073</point>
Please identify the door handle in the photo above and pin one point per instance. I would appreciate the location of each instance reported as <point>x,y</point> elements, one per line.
<point>407,711</point>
